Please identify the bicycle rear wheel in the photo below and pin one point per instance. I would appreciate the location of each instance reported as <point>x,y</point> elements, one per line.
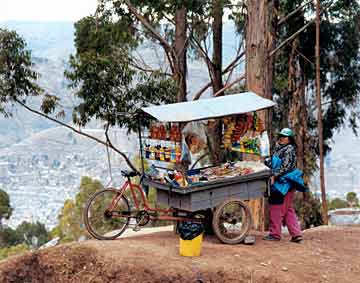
<point>106,214</point>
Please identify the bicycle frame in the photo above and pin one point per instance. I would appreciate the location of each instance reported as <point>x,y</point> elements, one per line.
<point>133,188</point>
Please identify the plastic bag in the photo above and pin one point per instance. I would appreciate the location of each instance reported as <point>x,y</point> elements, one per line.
<point>189,230</point>
<point>264,144</point>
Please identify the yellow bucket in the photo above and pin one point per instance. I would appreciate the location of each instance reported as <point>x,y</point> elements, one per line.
<point>191,247</point>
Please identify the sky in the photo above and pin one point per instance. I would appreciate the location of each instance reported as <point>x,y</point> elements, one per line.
<point>45,10</point>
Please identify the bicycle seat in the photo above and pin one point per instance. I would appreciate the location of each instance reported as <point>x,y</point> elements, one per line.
<point>129,174</point>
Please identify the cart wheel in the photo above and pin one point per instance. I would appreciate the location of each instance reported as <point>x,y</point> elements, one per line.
<point>232,221</point>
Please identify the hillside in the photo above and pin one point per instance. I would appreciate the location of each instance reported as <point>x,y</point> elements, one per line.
<point>327,254</point>
<point>42,171</point>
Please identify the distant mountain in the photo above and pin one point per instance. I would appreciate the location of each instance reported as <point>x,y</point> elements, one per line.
<point>51,45</point>
<point>41,145</point>
<point>44,170</point>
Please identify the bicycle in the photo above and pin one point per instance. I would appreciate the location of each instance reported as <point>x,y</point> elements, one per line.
<point>108,212</point>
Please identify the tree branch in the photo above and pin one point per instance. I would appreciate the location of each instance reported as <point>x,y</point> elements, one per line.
<point>284,19</point>
<point>201,91</point>
<point>148,70</point>
<point>226,70</point>
<point>77,131</point>
<point>297,32</point>
<point>291,38</point>
<point>221,91</point>
<point>202,52</point>
<point>303,56</point>
<point>233,63</point>
<point>168,49</point>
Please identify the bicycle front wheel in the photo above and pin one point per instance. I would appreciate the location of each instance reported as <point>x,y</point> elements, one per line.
<point>106,214</point>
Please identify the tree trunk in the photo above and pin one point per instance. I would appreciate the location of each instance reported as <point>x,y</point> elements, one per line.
<point>217,43</point>
<point>215,129</point>
<point>260,40</point>
<point>180,51</point>
<point>298,109</point>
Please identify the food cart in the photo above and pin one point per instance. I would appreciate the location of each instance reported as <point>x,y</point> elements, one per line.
<point>224,188</point>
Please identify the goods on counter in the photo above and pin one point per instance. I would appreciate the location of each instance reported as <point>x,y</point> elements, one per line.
<point>162,143</point>
<point>227,170</point>
<point>180,179</point>
<point>162,151</point>
<point>235,128</point>
<point>175,133</point>
<point>242,132</point>
<point>259,125</point>
<point>196,176</point>
<point>165,132</point>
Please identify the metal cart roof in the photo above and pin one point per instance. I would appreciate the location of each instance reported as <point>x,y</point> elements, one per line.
<point>209,108</point>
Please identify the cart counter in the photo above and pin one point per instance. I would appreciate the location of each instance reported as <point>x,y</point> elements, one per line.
<point>212,193</point>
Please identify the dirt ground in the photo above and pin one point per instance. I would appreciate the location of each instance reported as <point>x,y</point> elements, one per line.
<point>327,254</point>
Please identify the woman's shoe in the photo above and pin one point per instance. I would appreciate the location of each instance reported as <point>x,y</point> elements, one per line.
<point>270,238</point>
<point>296,239</point>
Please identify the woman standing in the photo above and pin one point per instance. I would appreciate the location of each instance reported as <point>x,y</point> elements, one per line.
<point>282,192</point>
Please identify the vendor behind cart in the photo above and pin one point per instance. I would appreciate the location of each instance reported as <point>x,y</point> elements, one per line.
<point>193,144</point>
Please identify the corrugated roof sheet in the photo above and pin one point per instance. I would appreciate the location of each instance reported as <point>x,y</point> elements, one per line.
<point>209,108</point>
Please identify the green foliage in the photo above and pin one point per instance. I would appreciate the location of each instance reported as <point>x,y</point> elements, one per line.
<point>31,234</point>
<point>103,75</point>
<point>340,65</point>
<point>155,11</point>
<point>8,237</point>
<point>238,14</point>
<point>5,207</point>
<point>337,203</point>
<point>14,250</point>
<point>352,199</point>
<point>17,79</point>
<point>308,208</point>
<point>70,227</point>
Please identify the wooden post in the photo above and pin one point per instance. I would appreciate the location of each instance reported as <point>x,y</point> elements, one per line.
<point>320,124</point>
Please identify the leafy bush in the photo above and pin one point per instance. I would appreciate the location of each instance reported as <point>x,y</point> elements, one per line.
<point>31,234</point>
<point>14,250</point>
<point>337,203</point>
<point>308,209</point>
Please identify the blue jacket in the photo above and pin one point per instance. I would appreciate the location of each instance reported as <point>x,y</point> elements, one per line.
<point>291,179</point>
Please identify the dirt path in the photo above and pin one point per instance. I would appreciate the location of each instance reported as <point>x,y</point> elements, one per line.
<point>325,255</point>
